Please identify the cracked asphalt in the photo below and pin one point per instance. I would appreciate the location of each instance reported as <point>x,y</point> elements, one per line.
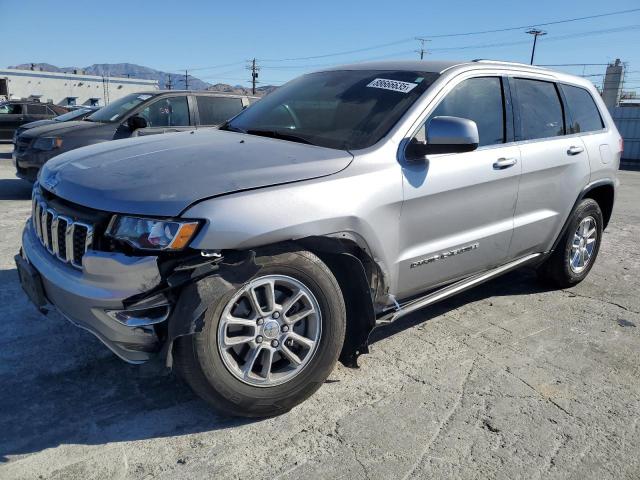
<point>505,381</point>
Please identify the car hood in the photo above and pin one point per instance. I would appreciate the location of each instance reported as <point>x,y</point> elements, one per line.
<point>162,175</point>
<point>37,123</point>
<point>61,128</point>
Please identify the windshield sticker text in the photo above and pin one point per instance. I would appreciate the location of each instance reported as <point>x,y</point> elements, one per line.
<point>394,85</point>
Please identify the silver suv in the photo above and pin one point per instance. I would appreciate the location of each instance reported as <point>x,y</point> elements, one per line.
<point>253,257</point>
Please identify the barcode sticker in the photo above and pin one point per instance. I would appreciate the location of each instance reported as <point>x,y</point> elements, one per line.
<point>394,85</point>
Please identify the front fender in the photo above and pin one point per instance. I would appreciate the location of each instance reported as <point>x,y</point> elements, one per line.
<point>366,205</point>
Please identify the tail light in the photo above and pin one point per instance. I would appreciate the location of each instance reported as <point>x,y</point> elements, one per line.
<point>621,145</point>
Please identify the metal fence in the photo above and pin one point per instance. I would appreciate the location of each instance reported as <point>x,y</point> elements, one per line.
<point>627,119</point>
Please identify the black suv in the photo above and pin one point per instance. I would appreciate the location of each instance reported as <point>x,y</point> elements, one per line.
<point>75,114</point>
<point>14,113</point>
<point>137,114</point>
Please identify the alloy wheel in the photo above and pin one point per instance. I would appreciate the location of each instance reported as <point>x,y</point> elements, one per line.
<point>269,330</point>
<point>583,245</point>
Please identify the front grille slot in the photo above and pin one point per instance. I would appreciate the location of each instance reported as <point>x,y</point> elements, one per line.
<point>79,244</point>
<point>63,223</point>
<point>62,236</point>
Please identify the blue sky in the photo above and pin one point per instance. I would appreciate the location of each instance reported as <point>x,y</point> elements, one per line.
<point>174,35</point>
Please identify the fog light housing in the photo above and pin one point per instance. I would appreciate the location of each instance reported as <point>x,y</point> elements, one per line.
<point>141,317</point>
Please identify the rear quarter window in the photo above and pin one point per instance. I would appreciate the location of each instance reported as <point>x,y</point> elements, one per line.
<point>584,116</point>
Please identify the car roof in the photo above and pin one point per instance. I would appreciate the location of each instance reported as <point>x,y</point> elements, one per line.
<point>437,66</point>
<point>441,66</point>
<point>195,92</point>
<point>409,65</point>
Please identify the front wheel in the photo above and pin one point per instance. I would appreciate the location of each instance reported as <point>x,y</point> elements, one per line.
<point>271,343</point>
<point>578,248</point>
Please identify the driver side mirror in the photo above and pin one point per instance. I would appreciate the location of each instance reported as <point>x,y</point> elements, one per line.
<point>135,122</point>
<point>445,135</point>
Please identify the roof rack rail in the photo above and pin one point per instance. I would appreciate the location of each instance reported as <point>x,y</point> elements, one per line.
<point>486,60</point>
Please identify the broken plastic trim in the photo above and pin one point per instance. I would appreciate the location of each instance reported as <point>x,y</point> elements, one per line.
<point>199,288</point>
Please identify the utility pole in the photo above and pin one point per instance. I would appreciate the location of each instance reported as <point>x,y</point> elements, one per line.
<point>254,74</point>
<point>186,79</point>
<point>422,50</point>
<point>536,33</point>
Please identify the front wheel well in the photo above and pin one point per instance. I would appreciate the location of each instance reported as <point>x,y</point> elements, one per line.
<point>604,196</point>
<point>360,281</point>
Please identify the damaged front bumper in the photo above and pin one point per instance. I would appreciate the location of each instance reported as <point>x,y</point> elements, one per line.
<point>96,298</point>
<point>132,304</point>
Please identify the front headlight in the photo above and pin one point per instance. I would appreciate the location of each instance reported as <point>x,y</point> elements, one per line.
<point>47,143</point>
<point>152,234</point>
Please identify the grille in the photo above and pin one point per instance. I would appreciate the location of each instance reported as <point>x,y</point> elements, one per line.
<point>62,236</point>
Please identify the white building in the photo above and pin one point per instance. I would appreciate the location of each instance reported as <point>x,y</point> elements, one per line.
<point>68,88</point>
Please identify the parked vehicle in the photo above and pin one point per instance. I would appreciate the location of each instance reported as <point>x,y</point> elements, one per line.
<point>138,114</point>
<point>75,114</point>
<point>14,113</point>
<point>252,258</point>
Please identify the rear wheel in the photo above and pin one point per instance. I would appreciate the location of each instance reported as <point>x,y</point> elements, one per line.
<point>271,343</point>
<point>577,250</point>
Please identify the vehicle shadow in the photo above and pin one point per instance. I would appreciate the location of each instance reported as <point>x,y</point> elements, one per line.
<point>94,398</point>
<point>14,189</point>
<point>518,282</point>
<point>61,386</point>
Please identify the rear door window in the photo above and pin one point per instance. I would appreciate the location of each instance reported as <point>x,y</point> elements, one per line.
<point>540,109</point>
<point>217,110</point>
<point>167,112</point>
<point>583,113</point>
<point>34,109</point>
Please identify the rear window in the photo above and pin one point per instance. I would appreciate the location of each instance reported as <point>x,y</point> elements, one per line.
<point>37,109</point>
<point>217,110</point>
<point>583,113</point>
<point>540,109</point>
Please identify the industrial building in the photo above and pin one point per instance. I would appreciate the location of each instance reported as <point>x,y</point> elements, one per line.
<point>68,88</point>
<point>625,113</point>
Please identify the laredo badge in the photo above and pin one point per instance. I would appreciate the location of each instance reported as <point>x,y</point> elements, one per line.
<point>443,255</point>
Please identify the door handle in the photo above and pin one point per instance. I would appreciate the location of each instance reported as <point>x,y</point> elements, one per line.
<point>573,150</point>
<point>503,163</point>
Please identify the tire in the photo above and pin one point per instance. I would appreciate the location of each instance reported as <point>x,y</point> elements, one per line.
<point>560,269</point>
<point>215,371</point>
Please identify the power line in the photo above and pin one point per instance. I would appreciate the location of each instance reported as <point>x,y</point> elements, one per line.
<point>545,24</point>
<point>447,35</point>
<point>549,39</point>
<point>212,67</point>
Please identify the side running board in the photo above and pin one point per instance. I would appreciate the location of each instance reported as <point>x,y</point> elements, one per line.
<point>452,289</point>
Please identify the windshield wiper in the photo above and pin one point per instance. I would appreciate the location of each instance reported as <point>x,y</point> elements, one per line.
<point>225,126</point>
<point>278,134</point>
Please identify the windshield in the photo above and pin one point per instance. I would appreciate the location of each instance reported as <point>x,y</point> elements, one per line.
<point>344,109</point>
<point>118,109</point>
<point>65,117</point>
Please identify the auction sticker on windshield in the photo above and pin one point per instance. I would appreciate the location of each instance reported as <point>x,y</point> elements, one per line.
<point>394,85</point>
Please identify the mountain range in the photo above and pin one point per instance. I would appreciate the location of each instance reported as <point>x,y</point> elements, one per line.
<point>165,79</point>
